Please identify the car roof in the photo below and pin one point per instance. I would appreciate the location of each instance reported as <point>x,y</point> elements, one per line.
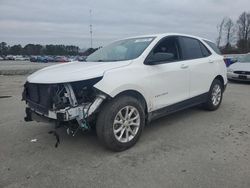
<point>161,35</point>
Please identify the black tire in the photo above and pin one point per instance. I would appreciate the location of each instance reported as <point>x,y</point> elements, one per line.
<point>106,117</point>
<point>209,104</point>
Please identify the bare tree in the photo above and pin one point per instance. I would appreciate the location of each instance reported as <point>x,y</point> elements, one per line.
<point>220,29</point>
<point>244,29</point>
<point>229,29</point>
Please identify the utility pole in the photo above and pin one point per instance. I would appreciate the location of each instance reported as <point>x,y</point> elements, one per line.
<point>90,28</point>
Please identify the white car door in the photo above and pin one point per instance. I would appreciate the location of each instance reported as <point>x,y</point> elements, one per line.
<point>169,80</point>
<point>201,64</point>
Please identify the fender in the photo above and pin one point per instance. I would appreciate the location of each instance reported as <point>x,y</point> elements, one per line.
<point>124,82</point>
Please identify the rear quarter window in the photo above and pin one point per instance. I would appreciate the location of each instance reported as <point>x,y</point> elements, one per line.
<point>191,48</point>
<point>213,46</point>
<point>204,50</point>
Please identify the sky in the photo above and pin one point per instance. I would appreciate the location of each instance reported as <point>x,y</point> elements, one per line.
<point>67,21</point>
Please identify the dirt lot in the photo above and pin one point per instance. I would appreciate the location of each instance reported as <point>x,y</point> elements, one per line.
<point>20,67</point>
<point>192,148</point>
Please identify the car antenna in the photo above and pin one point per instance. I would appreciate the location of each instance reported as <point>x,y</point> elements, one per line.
<point>90,28</point>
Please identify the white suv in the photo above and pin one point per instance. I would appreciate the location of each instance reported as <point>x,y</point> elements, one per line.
<point>126,84</point>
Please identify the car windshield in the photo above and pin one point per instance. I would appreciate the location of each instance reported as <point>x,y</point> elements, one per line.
<point>244,59</point>
<point>121,50</point>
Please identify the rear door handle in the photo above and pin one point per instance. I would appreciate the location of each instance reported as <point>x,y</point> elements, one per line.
<point>184,66</point>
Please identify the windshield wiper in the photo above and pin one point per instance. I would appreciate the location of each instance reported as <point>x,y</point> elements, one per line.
<point>101,60</point>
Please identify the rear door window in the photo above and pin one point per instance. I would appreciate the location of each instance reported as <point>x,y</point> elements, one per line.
<point>192,48</point>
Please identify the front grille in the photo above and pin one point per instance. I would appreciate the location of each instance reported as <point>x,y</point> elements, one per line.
<point>38,96</point>
<point>242,72</point>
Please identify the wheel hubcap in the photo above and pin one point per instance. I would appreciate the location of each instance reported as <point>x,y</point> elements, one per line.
<point>126,124</point>
<point>216,95</point>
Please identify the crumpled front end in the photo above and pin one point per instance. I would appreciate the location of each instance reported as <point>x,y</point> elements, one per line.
<point>62,102</point>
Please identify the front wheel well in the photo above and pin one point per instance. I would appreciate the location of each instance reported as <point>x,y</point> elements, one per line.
<point>136,95</point>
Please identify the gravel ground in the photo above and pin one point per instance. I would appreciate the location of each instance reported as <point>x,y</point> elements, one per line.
<point>191,148</point>
<point>20,67</point>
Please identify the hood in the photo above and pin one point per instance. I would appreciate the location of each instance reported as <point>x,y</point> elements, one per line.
<point>74,71</point>
<point>240,66</point>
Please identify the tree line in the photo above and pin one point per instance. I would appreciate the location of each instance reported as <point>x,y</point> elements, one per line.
<point>234,37</point>
<point>37,49</point>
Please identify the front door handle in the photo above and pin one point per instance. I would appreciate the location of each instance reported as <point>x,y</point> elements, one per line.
<point>184,66</point>
<point>210,61</point>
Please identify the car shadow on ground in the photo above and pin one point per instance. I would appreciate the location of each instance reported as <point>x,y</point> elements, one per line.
<point>88,141</point>
<point>171,118</point>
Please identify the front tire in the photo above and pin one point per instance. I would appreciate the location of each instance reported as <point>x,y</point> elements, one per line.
<point>120,123</point>
<point>214,96</point>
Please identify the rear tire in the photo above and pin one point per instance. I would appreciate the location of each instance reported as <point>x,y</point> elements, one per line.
<point>120,123</point>
<point>215,96</point>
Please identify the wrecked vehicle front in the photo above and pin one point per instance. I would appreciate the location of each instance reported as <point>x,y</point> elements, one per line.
<point>66,92</point>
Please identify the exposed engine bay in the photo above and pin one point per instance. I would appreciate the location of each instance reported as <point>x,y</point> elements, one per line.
<point>63,102</point>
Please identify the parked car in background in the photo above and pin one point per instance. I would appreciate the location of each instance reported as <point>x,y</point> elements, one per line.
<point>47,59</point>
<point>50,58</point>
<point>1,58</point>
<point>81,58</point>
<point>125,85</point>
<point>72,58</point>
<point>9,57</point>
<point>33,59</point>
<point>240,70</point>
<point>41,59</point>
<point>20,58</point>
<point>77,58</point>
<point>61,59</point>
<point>26,58</point>
<point>231,58</point>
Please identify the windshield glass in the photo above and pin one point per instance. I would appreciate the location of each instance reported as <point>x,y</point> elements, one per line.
<point>244,59</point>
<point>121,50</point>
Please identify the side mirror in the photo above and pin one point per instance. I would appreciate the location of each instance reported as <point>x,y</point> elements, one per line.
<point>159,57</point>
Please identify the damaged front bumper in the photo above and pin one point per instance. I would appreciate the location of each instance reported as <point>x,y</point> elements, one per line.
<point>67,114</point>
<point>73,111</point>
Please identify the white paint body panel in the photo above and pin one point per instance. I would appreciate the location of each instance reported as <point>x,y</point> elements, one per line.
<point>161,85</point>
<point>202,71</point>
<point>74,71</point>
<point>156,83</point>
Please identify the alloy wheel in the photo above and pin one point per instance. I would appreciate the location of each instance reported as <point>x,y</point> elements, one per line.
<point>126,124</point>
<point>216,94</point>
